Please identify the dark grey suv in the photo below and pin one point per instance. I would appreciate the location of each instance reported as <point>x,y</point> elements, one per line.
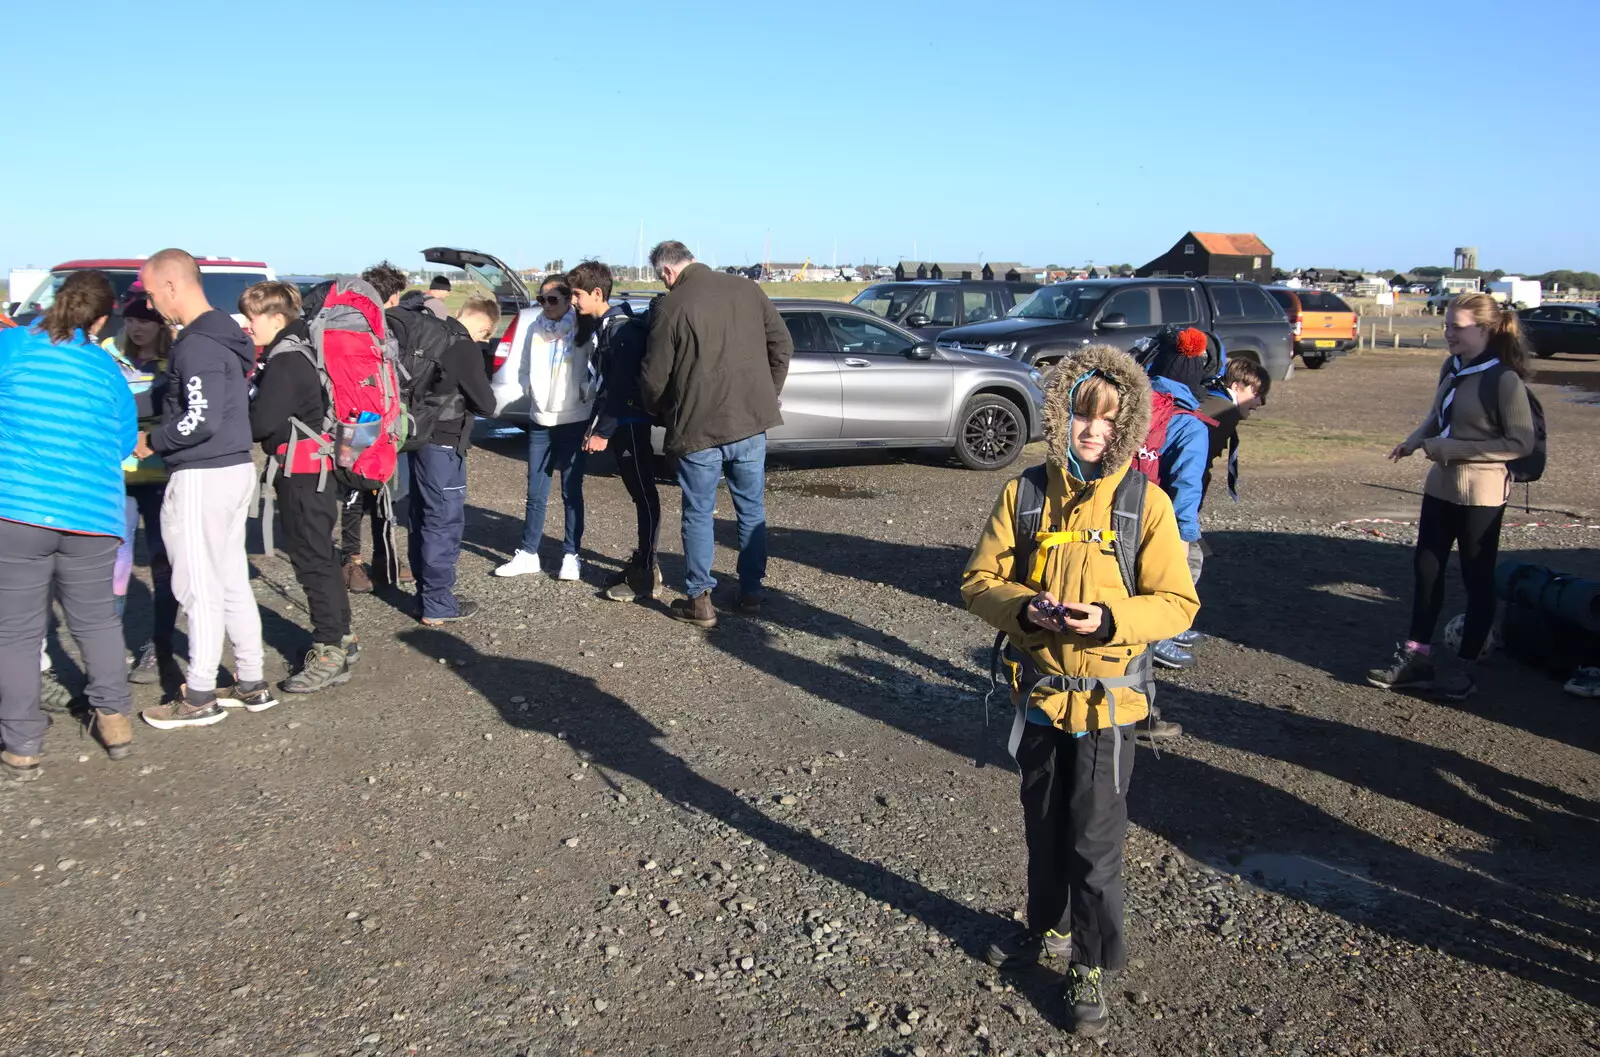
<point>928,307</point>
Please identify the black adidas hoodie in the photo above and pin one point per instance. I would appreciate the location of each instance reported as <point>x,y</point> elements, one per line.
<point>205,418</point>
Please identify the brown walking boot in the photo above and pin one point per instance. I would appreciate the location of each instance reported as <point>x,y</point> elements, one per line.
<point>697,610</point>
<point>115,732</point>
<point>18,768</point>
<point>356,580</point>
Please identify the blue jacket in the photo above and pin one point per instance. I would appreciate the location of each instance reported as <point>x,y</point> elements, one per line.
<point>205,422</point>
<point>67,420</point>
<point>1183,458</point>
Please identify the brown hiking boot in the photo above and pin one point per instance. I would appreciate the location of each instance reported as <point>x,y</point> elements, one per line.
<point>750,605</point>
<point>115,732</point>
<point>18,768</point>
<point>356,580</point>
<point>697,610</point>
<point>405,574</point>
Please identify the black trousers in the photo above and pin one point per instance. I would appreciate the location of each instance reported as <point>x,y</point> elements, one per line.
<point>438,520</point>
<point>365,506</point>
<point>146,500</point>
<point>1076,823</point>
<point>1476,531</point>
<point>308,517</point>
<point>636,463</point>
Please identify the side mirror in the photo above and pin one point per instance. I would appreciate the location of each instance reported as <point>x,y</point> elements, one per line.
<point>915,320</point>
<point>1115,321</point>
<point>922,350</point>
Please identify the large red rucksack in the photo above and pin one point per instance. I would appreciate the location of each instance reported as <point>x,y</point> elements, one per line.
<point>1162,410</point>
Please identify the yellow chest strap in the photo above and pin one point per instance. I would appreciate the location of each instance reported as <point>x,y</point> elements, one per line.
<point>1043,541</point>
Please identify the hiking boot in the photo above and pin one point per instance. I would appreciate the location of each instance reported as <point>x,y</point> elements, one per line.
<point>252,697</point>
<point>1026,947</point>
<point>190,708</point>
<point>352,650</point>
<point>1090,1013</point>
<point>1455,682</point>
<point>521,564</point>
<point>115,732</point>
<point>1585,683</point>
<point>405,576</point>
<point>14,768</point>
<point>633,582</point>
<point>466,609</point>
<point>571,568</point>
<point>146,671</point>
<point>697,610</point>
<point>1409,670</point>
<point>750,605</point>
<point>1189,639</point>
<point>1159,730</point>
<point>1168,654</point>
<point>53,697</point>
<point>324,666</point>
<point>356,580</point>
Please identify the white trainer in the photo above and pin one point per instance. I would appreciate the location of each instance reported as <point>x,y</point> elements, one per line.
<point>570,567</point>
<point>521,564</point>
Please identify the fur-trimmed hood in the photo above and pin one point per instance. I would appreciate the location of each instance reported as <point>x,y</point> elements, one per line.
<point>1133,410</point>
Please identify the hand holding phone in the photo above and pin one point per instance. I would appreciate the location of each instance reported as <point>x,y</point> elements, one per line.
<point>1080,618</point>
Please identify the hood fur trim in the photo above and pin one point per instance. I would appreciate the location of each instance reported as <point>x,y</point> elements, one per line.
<point>1133,410</point>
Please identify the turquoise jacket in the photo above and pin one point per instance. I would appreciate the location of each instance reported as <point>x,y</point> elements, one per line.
<point>67,420</point>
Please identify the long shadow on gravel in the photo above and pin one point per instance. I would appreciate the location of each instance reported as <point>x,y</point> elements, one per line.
<point>932,572</point>
<point>620,739</point>
<point>1526,908</point>
<point>1339,603</point>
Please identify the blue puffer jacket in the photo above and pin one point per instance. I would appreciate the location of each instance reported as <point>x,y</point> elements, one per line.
<point>1183,458</point>
<point>67,420</point>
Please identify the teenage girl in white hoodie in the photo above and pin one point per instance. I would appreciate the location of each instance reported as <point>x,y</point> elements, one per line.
<point>558,375</point>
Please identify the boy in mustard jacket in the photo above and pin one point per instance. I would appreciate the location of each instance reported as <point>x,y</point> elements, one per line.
<point>1080,671</point>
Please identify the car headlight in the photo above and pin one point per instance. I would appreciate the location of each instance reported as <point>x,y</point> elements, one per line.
<point>1000,348</point>
<point>1038,379</point>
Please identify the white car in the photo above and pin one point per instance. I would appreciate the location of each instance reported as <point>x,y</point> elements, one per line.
<point>223,278</point>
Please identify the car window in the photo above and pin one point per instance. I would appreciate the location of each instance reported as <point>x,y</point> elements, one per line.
<point>860,336</point>
<point>1177,305</point>
<point>887,301</point>
<point>1134,306</point>
<point>800,332</point>
<point>1320,301</point>
<point>979,306</point>
<point>1285,299</point>
<point>939,305</point>
<point>1577,315</point>
<point>1065,301</point>
<point>223,288</point>
<point>1228,304</point>
<point>1257,305</point>
<point>44,295</point>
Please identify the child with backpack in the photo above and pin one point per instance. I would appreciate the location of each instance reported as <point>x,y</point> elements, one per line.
<point>289,390</point>
<point>1483,431</point>
<point>1080,567</point>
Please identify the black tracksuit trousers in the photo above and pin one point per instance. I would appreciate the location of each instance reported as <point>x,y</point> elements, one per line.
<point>1076,823</point>
<point>636,465</point>
<point>1475,530</point>
<point>308,518</point>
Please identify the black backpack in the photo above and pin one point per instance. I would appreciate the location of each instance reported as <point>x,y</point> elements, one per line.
<point>1530,467</point>
<point>423,339</point>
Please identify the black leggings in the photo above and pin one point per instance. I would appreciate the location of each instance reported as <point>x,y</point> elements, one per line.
<point>1476,530</point>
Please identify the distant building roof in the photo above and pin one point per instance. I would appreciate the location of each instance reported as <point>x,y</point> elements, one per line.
<point>1243,245</point>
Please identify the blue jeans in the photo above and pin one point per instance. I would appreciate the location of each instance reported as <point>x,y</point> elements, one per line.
<point>554,449</point>
<point>744,464</point>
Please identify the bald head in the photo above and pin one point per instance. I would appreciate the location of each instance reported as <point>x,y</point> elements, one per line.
<point>172,279</point>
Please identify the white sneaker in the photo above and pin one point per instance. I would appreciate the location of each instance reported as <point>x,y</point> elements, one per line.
<point>521,564</point>
<point>570,567</point>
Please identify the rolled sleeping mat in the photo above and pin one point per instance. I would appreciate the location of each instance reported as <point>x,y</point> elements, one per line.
<point>1558,595</point>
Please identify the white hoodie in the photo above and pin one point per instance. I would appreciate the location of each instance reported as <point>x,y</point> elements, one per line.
<point>557,374</point>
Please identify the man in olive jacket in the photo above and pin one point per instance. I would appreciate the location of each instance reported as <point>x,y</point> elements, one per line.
<point>717,358</point>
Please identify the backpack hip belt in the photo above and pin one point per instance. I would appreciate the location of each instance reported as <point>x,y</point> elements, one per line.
<point>1027,680</point>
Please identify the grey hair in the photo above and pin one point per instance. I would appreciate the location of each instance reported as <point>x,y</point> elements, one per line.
<point>670,254</point>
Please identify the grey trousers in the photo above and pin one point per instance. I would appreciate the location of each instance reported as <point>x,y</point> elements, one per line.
<point>203,521</point>
<point>36,563</point>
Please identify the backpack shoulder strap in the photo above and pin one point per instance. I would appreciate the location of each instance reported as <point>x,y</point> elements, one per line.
<point>1489,393</point>
<point>1127,517</point>
<point>1029,516</point>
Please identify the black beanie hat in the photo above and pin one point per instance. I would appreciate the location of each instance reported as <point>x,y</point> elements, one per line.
<point>1185,356</point>
<point>138,306</point>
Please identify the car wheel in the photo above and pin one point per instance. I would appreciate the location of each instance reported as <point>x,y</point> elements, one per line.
<point>991,433</point>
<point>1544,354</point>
<point>1313,361</point>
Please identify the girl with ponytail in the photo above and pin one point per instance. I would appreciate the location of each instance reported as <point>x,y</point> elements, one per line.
<point>1480,421</point>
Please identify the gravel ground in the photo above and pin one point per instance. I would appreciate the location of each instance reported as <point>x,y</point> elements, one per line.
<point>574,826</point>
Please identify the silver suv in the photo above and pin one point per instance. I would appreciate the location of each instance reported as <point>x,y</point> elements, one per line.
<point>856,381</point>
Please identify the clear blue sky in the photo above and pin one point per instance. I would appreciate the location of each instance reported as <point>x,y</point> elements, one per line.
<point>323,136</point>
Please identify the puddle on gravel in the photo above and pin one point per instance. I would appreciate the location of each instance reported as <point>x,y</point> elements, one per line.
<point>1581,387</point>
<point>1285,872</point>
<point>823,490</point>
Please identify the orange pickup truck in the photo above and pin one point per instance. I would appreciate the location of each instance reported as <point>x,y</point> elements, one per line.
<point>1322,324</point>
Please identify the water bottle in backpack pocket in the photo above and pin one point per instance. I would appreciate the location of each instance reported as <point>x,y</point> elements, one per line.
<point>361,432</point>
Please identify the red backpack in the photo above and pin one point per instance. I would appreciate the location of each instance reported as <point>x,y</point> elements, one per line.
<point>365,424</point>
<point>1162,411</point>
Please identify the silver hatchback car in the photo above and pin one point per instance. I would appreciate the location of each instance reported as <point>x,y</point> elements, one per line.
<point>856,380</point>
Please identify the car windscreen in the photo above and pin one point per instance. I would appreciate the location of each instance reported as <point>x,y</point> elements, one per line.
<point>222,288</point>
<point>1321,301</point>
<point>887,300</point>
<point>1068,302</point>
<point>44,295</point>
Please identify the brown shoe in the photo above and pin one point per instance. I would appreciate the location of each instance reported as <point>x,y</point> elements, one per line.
<point>697,610</point>
<point>356,580</point>
<point>750,605</point>
<point>18,768</point>
<point>115,732</point>
<point>405,574</point>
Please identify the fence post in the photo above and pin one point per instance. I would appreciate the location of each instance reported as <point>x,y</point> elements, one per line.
<point>1397,341</point>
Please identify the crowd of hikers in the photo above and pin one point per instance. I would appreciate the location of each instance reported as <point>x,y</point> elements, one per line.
<point>362,403</point>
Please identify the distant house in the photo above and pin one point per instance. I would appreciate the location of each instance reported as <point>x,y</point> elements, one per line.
<point>1008,270</point>
<point>1210,253</point>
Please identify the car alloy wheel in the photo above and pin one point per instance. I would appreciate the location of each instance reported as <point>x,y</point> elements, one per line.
<point>991,434</point>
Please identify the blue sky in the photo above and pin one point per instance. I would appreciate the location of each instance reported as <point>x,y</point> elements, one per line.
<point>333,134</point>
